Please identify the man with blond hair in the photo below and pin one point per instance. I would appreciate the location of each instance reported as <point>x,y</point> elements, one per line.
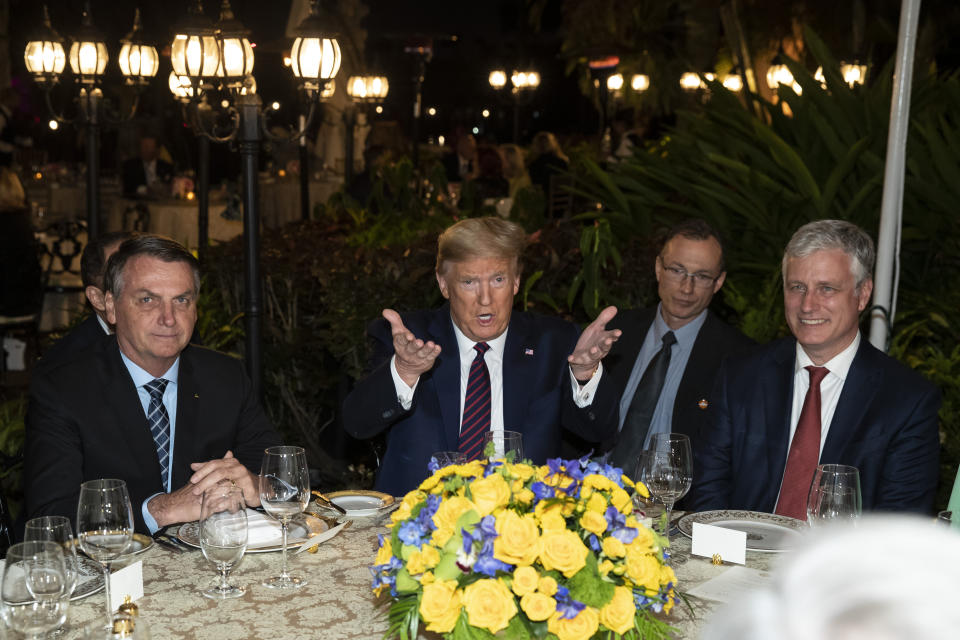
<point>439,380</point>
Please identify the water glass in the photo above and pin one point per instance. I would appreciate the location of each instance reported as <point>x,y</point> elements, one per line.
<point>56,529</point>
<point>33,592</point>
<point>834,494</point>
<point>284,493</point>
<point>447,458</point>
<point>504,443</point>
<point>223,535</point>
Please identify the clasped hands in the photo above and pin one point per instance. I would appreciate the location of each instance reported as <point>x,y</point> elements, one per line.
<point>183,505</point>
<point>415,357</point>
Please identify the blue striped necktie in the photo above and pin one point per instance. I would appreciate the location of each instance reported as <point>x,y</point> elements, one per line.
<point>476,406</point>
<point>159,421</point>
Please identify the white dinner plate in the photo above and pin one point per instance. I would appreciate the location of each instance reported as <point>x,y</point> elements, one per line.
<point>767,532</point>
<point>265,534</point>
<point>89,578</point>
<point>358,503</point>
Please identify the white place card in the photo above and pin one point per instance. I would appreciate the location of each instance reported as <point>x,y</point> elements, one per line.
<point>730,584</point>
<point>126,582</point>
<point>730,544</point>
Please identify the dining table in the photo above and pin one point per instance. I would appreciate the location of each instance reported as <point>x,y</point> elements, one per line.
<point>336,602</point>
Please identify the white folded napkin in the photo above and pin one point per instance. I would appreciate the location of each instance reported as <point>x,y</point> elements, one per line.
<point>262,530</point>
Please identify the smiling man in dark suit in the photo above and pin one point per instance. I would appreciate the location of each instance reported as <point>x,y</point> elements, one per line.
<point>824,395</point>
<point>145,406</point>
<point>438,380</point>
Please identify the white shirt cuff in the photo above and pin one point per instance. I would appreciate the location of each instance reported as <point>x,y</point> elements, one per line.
<point>583,394</point>
<point>404,392</point>
<point>147,518</point>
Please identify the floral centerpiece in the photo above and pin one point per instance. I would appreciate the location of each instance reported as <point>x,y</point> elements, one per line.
<point>521,551</point>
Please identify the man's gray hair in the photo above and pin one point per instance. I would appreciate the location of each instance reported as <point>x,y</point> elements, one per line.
<point>822,235</point>
<point>154,246</point>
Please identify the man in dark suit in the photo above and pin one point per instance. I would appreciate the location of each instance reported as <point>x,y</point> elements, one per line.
<point>145,406</point>
<point>690,270</point>
<point>146,174</point>
<point>823,396</point>
<point>438,380</point>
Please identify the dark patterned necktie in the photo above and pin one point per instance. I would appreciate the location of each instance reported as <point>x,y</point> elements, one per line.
<point>804,452</point>
<point>637,423</point>
<point>159,421</point>
<point>476,406</point>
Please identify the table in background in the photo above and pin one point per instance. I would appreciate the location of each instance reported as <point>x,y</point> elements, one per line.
<point>63,298</point>
<point>337,602</point>
<point>65,201</point>
<point>280,198</point>
<point>176,219</point>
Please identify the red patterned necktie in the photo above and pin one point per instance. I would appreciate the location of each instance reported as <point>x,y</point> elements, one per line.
<point>804,452</point>
<point>476,406</point>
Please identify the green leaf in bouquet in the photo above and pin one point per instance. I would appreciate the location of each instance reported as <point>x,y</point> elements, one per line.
<point>463,630</point>
<point>406,584</point>
<point>403,617</point>
<point>589,587</point>
<point>646,627</point>
<point>467,519</point>
<point>517,629</point>
<point>447,568</point>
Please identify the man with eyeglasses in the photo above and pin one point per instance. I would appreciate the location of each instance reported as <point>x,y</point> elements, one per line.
<point>658,376</point>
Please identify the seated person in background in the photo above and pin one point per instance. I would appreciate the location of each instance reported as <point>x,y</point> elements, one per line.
<point>439,380</point>
<point>462,165</point>
<point>146,175</point>
<point>824,395</point>
<point>93,264</point>
<point>489,184</point>
<point>361,187</point>
<point>21,276</point>
<point>145,406</point>
<point>690,271</point>
<point>546,159</point>
<point>514,168</point>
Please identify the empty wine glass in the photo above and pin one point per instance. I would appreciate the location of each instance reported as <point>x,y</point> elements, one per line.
<point>104,524</point>
<point>834,494</point>
<point>504,443</point>
<point>223,534</point>
<point>667,471</point>
<point>33,592</point>
<point>57,529</point>
<point>284,493</point>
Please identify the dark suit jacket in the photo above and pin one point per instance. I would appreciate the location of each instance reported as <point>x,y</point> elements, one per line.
<point>85,421</point>
<point>714,342</point>
<point>535,381</point>
<point>82,337</point>
<point>133,174</point>
<point>885,424</point>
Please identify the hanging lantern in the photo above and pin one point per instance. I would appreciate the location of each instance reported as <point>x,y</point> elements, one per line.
<point>640,82</point>
<point>181,87</point>
<point>368,88</point>
<point>315,54</point>
<point>236,53</point>
<point>194,51</point>
<point>138,61</point>
<point>88,53</point>
<point>44,56</point>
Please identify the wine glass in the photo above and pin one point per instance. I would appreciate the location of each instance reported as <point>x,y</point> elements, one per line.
<point>834,494</point>
<point>668,473</point>
<point>447,458</point>
<point>33,593</point>
<point>284,493</point>
<point>104,524</point>
<point>223,534</point>
<point>504,442</point>
<point>57,529</point>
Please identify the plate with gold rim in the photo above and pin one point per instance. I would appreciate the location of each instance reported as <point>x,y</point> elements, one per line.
<point>357,503</point>
<point>265,533</point>
<point>766,532</point>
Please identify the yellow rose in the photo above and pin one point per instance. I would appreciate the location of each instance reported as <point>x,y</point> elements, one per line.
<point>522,471</point>
<point>667,575</point>
<point>472,469</point>
<point>643,569</point>
<point>597,503</point>
<point>644,540</point>
<point>524,496</point>
<point>606,567</point>
<point>440,605</point>
<point>538,606</point>
<point>547,585</point>
<point>621,500</point>
<point>385,552</point>
<point>489,493</point>
<point>525,580</point>
<point>409,501</point>
<point>642,490</point>
<point>626,481</point>
<point>420,561</point>
<point>489,604</point>
<point>613,548</point>
<point>518,541</point>
<point>593,522</point>
<point>428,578</point>
<point>580,628</point>
<point>543,509</point>
<point>617,615</point>
<point>440,537</point>
<point>563,550</point>
<point>596,481</point>
<point>430,482</point>
<point>450,511</point>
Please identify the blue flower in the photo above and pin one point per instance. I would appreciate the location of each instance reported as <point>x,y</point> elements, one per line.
<point>411,533</point>
<point>488,528</point>
<point>491,467</point>
<point>595,545</point>
<point>567,607</point>
<point>617,526</point>
<point>487,564</point>
<point>425,516</point>
<point>433,465</point>
<point>541,491</point>
<point>555,465</point>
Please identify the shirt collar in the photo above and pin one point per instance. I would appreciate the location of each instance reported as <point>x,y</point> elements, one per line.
<point>103,324</point>
<point>685,335</point>
<point>839,365</point>
<point>465,344</point>
<point>141,377</point>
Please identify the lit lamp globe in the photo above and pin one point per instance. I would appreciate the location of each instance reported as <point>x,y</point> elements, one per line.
<point>181,87</point>
<point>44,56</point>
<point>138,61</point>
<point>315,54</point>
<point>615,82</point>
<point>779,74</point>
<point>88,53</point>
<point>640,82</point>
<point>236,54</point>
<point>368,88</point>
<point>328,90</point>
<point>525,80</point>
<point>690,81</point>
<point>853,73</point>
<point>498,79</point>
<point>733,82</point>
<point>194,51</point>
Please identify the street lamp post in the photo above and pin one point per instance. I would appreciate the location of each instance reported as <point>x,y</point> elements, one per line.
<point>522,83</point>
<point>370,89</point>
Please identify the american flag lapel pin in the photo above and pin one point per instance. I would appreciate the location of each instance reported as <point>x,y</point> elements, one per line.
<point>528,352</point>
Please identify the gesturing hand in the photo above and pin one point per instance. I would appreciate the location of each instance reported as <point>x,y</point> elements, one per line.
<point>414,356</point>
<point>593,345</point>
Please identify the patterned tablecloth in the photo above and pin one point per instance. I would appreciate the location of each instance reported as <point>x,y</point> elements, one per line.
<point>337,602</point>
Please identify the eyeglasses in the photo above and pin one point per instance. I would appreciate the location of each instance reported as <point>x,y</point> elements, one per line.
<point>679,275</point>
